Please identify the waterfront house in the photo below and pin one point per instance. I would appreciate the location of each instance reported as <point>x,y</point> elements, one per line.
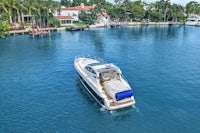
<point>103,19</point>
<point>67,15</point>
<point>65,20</point>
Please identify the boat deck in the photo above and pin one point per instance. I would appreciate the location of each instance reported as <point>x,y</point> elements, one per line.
<point>115,103</point>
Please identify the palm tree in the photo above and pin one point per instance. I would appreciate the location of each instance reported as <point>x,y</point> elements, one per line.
<point>49,8</point>
<point>9,5</point>
<point>3,6</point>
<point>163,7</point>
<point>136,9</point>
<point>20,8</point>
<point>31,7</point>
<point>177,12</point>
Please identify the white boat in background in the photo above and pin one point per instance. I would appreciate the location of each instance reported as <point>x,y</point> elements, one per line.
<point>198,23</point>
<point>105,83</point>
<point>193,20</point>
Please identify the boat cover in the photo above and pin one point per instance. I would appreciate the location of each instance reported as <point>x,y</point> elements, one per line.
<point>123,94</point>
<point>117,90</point>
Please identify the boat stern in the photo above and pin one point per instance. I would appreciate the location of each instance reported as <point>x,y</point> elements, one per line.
<point>120,105</point>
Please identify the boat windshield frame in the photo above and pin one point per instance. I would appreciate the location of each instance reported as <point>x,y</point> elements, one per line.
<point>109,75</point>
<point>90,69</point>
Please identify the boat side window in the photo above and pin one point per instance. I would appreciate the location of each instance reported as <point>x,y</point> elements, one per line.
<point>90,69</point>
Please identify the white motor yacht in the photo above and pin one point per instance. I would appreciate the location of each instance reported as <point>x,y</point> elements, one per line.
<point>192,20</point>
<point>105,83</point>
<point>198,23</point>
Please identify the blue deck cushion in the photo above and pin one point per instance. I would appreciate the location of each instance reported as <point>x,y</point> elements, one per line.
<point>123,94</point>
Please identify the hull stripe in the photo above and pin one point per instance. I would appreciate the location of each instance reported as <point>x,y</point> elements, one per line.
<point>92,92</point>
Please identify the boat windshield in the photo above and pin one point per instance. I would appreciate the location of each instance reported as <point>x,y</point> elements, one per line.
<point>109,75</point>
<point>191,19</point>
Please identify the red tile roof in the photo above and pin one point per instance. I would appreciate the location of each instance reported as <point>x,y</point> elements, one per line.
<point>63,17</point>
<point>105,15</point>
<point>79,8</point>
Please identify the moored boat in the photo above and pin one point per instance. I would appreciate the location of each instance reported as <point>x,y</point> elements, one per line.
<point>105,83</point>
<point>192,20</point>
<point>198,23</point>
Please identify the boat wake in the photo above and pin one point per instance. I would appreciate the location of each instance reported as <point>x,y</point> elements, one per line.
<point>136,109</point>
<point>102,109</point>
<point>122,112</point>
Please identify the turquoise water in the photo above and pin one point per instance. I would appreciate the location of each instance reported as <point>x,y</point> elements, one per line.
<point>40,91</point>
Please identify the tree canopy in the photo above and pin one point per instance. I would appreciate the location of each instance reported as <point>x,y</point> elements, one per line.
<point>40,9</point>
<point>161,10</point>
<point>11,11</point>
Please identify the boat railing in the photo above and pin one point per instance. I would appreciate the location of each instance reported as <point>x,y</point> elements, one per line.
<point>92,57</point>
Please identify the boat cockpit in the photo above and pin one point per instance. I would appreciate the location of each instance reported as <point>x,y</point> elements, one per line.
<point>109,75</point>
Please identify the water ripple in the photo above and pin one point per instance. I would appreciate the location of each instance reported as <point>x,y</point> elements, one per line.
<point>40,91</point>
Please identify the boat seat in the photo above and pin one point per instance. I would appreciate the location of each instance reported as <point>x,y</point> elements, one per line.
<point>105,78</point>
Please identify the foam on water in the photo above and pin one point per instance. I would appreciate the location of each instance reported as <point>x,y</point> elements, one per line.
<point>102,109</point>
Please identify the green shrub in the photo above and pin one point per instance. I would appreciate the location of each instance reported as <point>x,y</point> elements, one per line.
<point>88,18</point>
<point>4,27</point>
<point>3,16</point>
<point>155,16</point>
<point>54,22</point>
<point>79,24</point>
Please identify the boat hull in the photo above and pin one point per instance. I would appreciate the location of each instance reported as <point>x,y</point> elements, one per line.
<point>191,23</point>
<point>91,91</point>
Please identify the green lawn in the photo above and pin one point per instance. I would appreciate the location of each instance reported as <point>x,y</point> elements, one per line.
<point>79,24</point>
<point>75,24</point>
<point>69,26</point>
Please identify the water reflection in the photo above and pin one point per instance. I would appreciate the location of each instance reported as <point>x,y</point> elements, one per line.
<point>165,32</point>
<point>97,39</point>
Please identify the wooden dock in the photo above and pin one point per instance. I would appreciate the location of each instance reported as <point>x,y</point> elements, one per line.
<point>78,28</point>
<point>37,32</point>
<point>16,32</point>
<point>34,32</point>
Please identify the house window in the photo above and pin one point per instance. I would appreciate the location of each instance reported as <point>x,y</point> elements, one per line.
<point>28,19</point>
<point>65,21</point>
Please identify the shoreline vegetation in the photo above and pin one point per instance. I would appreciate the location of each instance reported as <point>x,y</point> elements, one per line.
<point>15,32</point>
<point>19,16</point>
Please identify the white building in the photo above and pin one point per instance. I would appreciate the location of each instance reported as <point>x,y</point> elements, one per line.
<point>71,12</point>
<point>65,20</point>
<point>66,16</point>
<point>103,19</point>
